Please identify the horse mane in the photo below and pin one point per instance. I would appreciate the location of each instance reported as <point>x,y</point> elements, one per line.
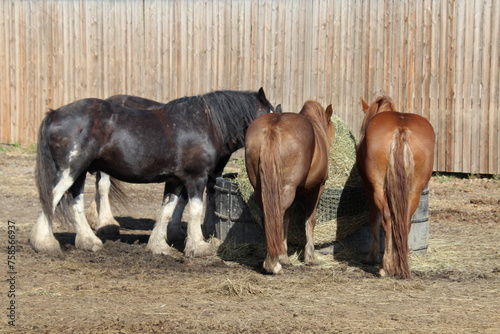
<point>381,104</point>
<point>315,113</point>
<point>221,107</point>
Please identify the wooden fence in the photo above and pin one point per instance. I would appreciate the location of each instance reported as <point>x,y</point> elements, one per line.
<point>437,58</point>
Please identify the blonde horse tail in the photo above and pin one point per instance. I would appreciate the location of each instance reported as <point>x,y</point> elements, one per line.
<point>397,188</point>
<point>270,180</point>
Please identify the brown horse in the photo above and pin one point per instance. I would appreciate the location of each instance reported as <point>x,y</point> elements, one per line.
<point>287,155</point>
<point>394,158</point>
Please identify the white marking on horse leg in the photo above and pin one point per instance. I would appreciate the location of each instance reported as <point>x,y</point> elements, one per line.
<point>195,245</point>
<point>106,223</point>
<point>85,237</point>
<point>272,265</point>
<point>309,255</point>
<point>42,237</point>
<point>388,258</point>
<point>92,214</point>
<point>61,187</point>
<point>157,243</point>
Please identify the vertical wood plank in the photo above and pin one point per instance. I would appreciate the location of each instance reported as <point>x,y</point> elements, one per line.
<point>494,105</point>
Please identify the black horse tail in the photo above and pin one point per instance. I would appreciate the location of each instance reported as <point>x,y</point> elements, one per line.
<point>46,175</point>
<point>45,170</point>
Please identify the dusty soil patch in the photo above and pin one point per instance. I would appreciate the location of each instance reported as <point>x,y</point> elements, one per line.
<point>124,289</point>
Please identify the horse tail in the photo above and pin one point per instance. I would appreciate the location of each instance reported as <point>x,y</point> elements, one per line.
<point>116,192</point>
<point>397,188</point>
<point>45,170</point>
<point>270,181</point>
<point>46,175</point>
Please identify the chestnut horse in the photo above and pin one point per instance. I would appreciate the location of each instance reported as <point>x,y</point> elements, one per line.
<point>287,155</point>
<point>394,158</point>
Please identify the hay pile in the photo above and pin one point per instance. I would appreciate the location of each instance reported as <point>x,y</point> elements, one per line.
<point>342,174</point>
<point>342,170</point>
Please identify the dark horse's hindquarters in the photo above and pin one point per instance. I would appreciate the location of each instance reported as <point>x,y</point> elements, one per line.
<point>99,214</point>
<point>185,143</point>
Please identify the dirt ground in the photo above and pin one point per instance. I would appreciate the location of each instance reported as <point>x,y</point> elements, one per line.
<point>123,289</point>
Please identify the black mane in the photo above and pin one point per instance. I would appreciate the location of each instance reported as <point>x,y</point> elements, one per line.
<point>229,112</point>
<point>223,106</point>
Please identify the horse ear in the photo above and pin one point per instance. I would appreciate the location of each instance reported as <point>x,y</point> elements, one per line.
<point>278,109</point>
<point>262,96</point>
<point>329,111</point>
<point>365,105</point>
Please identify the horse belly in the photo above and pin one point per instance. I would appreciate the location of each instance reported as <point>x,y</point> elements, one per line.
<point>135,171</point>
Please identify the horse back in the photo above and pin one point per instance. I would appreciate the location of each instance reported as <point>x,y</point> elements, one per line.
<point>135,102</point>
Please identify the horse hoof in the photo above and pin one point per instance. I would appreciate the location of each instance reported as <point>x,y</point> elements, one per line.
<point>88,244</point>
<point>310,259</point>
<point>160,249</point>
<point>272,265</point>
<point>200,250</point>
<point>108,230</point>
<point>275,269</point>
<point>312,262</point>
<point>49,247</point>
<point>382,273</point>
<point>284,259</point>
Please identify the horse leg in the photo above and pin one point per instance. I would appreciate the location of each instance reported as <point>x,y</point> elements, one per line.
<point>272,264</point>
<point>196,246</point>
<point>210,216</point>
<point>374,254</point>
<point>42,236</point>
<point>157,243</point>
<point>175,231</point>
<point>380,213</point>
<point>388,258</point>
<point>311,204</point>
<point>106,224</point>
<point>85,237</point>
<point>92,212</point>
<point>284,259</point>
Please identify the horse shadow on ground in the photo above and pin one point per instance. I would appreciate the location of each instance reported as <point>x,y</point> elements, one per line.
<point>353,233</point>
<point>133,231</point>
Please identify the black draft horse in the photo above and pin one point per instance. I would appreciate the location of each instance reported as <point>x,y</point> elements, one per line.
<point>99,214</point>
<point>182,144</point>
